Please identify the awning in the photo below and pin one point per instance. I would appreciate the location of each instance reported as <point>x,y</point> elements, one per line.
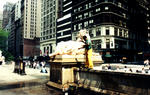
<point>108,55</point>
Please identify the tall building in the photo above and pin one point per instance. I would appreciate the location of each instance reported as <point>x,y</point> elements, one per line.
<point>49,14</point>
<point>18,33</point>
<point>6,13</point>
<point>18,10</point>
<point>117,27</point>
<point>11,37</point>
<point>64,23</point>
<point>27,24</point>
<point>138,26</point>
<point>31,18</point>
<point>13,40</point>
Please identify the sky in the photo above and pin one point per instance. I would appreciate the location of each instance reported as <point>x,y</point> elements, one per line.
<point>2,2</point>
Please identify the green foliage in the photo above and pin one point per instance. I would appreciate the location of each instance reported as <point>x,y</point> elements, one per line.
<point>3,45</point>
<point>8,56</point>
<point>3,33</point>
<point>3,39</point>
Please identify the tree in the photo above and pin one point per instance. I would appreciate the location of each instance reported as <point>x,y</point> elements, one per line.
<point>3,39</point>
<point>8,55</point>
<point>3,45</point>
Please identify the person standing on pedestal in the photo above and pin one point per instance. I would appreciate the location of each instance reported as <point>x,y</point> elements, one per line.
<point>88,51</point>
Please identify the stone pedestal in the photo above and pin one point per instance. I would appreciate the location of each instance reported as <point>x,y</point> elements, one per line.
<point>61,69</point>
<point>114,83</point>
<point>60,74</point>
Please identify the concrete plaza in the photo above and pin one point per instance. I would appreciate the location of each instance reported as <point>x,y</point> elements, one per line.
<point>8,76</point>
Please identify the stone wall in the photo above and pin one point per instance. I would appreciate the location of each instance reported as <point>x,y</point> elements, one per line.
<point>113,83</point>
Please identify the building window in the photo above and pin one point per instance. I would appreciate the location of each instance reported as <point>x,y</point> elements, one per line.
<point>61,33</point>
<point>86,15</point>
<point>79,9</point>
<point>124,24</point>
<point>44,49</point>
<point>111,43</point>
<point>98,31</point>
<point>98,9</point>
<point>107,31</point>
<point>90,5</point>
<point>96,1</point>
<point>76,17</point>
<point>75,10</point>
<point>86,6</point>
<point>91,33</point>
<point>120,23</point>
<point>99,46</point>
<point>119,4</point>
<point>107,43</point>
<point>90,21</point>
<point>125,33</point>
<point>74,27</point>
<point>116,31</point>
<point>106,8</point>
<point>86,24</point>
<point>80,26</point>
<point>124,15</point>
<point>120,32</point>
<point>90,13</point>
<point>80,17</point>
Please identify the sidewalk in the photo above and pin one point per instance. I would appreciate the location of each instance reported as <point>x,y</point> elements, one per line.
<point>7,76</point>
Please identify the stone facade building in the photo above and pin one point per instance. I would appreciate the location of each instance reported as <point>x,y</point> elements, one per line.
<point>50,11</point>
<point>118,28</point>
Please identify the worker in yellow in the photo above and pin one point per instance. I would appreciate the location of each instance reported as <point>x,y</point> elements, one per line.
<point>88,51</point>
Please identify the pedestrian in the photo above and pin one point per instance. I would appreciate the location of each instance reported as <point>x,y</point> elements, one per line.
<point>37,65</point>
<point>34,64</point>
<point>117,68</point>
<point>43,70</point>
<point>146,62</point>
<point>42,64</point>
<point>106,67</point>
<point>143,71</point>
<point>130,70</point>
<point>125,68</point>
<point>109,67</point>
<point>149,70</point>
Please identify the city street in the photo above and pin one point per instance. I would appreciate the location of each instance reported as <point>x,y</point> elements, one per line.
<point>34,83</point>
<point>7,75</point>
<point>74,47</point>
<point>36,89</point>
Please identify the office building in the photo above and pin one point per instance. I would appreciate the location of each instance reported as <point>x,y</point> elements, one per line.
<point>117,27</point>
<point>49,14</point>
<point>28,28</point>
<point>64,23</point>
<point>6,13</point>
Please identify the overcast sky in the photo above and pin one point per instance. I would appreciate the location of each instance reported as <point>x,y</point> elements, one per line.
<point>2,2</point>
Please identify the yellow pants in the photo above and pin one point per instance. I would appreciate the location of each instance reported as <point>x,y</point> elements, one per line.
<point>89,62</point>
